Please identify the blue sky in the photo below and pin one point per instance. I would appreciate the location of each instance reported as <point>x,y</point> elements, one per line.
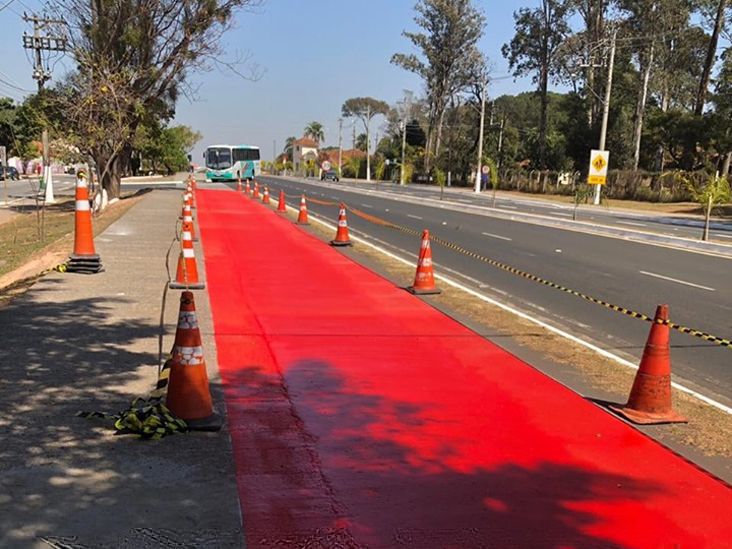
<point>316,54</point>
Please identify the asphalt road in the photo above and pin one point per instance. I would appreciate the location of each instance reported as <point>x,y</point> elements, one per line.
<point>633,275</point>
<point>672,225</point>
<point>14,192</point>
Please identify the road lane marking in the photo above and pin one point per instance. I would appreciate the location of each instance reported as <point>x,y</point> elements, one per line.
<point>707,288</point>
<point>632,223</point>
<point>509,207</point>
<point>563,214</point>
<point>724,235</point>
<point>367,206</point>
<point>414,216</point>
<point>497,236</point>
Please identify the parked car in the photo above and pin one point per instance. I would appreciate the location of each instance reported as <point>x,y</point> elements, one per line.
<point>329,175</point>
<point>11,172</point>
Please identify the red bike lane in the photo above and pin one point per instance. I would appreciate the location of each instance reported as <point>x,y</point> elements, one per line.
<point>362,417</point>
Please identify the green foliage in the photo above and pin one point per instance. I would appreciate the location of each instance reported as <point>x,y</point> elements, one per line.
<point>316,131</point>
<point>167,147</point>
<point>440,177</point>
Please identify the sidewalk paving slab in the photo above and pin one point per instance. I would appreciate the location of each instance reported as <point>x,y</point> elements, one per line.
<point>76,342</point>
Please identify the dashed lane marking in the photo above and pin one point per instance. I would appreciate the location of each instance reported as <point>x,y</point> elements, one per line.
<point>414,216</point>
<point>684,282</point>
<point>634,224</point>
<point>499,237</point>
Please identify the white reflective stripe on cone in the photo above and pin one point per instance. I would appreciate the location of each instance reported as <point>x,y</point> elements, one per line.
<point>188,253</point>
<point>82,206</point>
<point>187,235</point>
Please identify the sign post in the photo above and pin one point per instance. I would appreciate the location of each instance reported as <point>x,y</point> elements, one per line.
<point>597,174</point>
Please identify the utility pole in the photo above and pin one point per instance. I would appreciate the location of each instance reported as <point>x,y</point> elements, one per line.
<point>40,43</point>
<point>340,145</point>
<point>606,106</point>
<point>500,141</point>
<point>368,156</point>
<point>402,179</point>
<point>484,85</point>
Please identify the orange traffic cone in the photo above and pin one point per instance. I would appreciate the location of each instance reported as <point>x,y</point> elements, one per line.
<point>424,279</point>
<point>650,398</point>
<point>189,397</point>
<point>187,217</point>
<point>302,217</point>
<point>186,276</point>
<point>265,195</point>
<point>84,259</point>
<point>247,188</point>
<point>281,205</point>
<point>188,199</point>
<point>341,238</point>
<point>256,190</point>
<point>238,184</point>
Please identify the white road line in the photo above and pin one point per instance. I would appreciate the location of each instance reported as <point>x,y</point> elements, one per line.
<point>531,318</point>
<point>723,235</point>
<point>563,214</point>
<point>497,236</point>
<point>414,216</point>
<point>509,207</point>
<point>678,281</point>
<point>632,223</point>
<point>367,206</point>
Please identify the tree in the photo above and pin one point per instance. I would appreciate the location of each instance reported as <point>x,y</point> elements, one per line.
<point>364,109</point>
<point>133,59</point>
<point>539,32</point>
<point>711,57</point>
<point>288,146</point>
<point>448,53</point>
<point>168,147</point>
<point>315,130</point>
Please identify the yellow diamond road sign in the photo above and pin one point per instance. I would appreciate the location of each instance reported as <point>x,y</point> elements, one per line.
<point>598,167</point>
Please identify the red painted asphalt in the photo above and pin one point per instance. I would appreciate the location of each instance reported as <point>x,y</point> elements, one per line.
<point>362,417</point>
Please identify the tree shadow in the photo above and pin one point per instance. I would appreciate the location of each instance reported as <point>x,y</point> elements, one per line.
<point>65,479</point>
<point>384,472</point>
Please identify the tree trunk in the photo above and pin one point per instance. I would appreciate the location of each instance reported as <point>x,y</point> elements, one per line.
<point>543,90</point>
<point>110,174</point>
<point>640,109</point>
<point>726,164</point>
<point>701,94</point>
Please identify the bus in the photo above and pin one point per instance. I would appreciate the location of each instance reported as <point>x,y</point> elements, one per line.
<point>230,162</point>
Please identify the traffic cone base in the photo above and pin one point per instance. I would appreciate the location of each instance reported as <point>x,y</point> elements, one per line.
<point>417,291</point>
<point>650,397</point>
<point>341,243</point>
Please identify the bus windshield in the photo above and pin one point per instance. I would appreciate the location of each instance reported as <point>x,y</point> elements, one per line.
<point>218,158</point>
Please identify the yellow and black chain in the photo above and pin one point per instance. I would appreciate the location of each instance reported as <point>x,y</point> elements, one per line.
<point>724,342</point>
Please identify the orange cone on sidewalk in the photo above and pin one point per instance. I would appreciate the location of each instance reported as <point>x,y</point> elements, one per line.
<point>282,205</point>
<point>256,190</point>
<point>247,188</point>
<point>84,259</point>
<point>302,217</point>
<point>650,398</point>
<point>424,279</point>
<point>265,195</point>
<point>188,199</point>
<point>189,397</point>
<point>186,277</point>
<point>187,217</point>
<point>238,184</point>
<point>341,238</point>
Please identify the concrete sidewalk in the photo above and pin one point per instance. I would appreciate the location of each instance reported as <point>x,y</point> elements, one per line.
<point>76,342</point>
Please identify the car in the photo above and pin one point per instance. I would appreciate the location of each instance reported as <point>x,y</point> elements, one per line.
<point>12,173</point>
<point>329,175</point>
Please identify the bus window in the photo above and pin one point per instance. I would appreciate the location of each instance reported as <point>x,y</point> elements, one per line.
<point>241,155</point>
<point>219,159</point>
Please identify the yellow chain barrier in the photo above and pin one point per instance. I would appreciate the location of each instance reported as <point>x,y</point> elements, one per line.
<point>724,342</point>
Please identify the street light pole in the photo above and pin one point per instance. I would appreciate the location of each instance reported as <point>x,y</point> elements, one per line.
<point>340,145</point>
<point>480,138</point>
<point>606,106</point>
<point>402,178</point>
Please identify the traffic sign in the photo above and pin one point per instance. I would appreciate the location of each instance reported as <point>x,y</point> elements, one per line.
<point>598,167</point>
<point>326,165</point>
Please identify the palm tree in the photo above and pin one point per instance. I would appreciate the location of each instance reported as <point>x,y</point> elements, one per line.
<point>288,146</point>
<point>315,130</point>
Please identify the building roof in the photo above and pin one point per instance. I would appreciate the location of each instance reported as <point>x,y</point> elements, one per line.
<point>306,142</point>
